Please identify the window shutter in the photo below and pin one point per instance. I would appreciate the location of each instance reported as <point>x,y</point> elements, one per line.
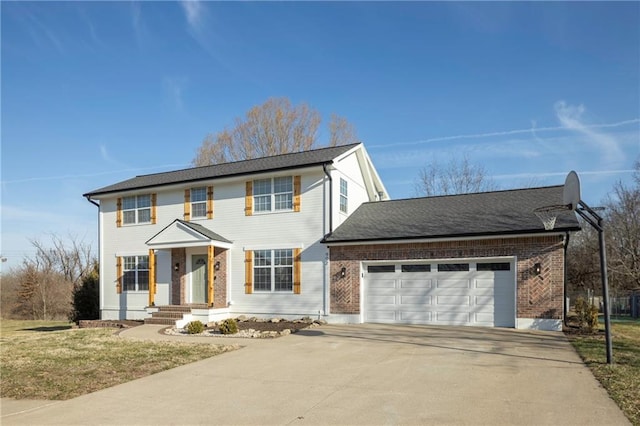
<point>187,204</point>
<point>296,193</point>
<point>118,274</point>
<point>210,202</point>
<point>153,208</point>
<point>119,213</point>
<point>296,271</point>
<point>248,200</point>
<point>248,272</point>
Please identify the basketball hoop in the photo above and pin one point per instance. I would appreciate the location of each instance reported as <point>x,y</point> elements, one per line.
<point>548,214</point>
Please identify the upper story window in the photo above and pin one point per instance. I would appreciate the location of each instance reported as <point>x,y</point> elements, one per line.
<point>343,196</point>
<point>273,194</point>
<point>136,273</point>
<point>136,209</point>
<point>199,202</point>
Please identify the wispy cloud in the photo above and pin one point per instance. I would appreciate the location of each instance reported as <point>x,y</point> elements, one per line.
<point>570,117</point>
<point>193,12</point>
<point>85,175</point>
<point>531,130</point>
<point>174,89</point>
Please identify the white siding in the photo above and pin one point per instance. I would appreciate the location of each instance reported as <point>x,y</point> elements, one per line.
<point>348,169</point>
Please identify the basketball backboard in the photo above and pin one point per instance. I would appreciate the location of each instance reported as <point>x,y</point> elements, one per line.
<point>571,195</point>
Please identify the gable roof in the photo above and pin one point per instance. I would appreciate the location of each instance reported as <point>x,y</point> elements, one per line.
<point>467,215</point>
<point>180,233</point>
<point>236,168</point>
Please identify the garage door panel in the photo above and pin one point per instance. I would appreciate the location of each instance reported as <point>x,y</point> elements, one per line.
<point>382,283</point>
<point>416,317</point>
<point>453,300</point>
<point>451,283</point>
<point>382,300</point>
<point>415,300</point>
<point>453,317</point>
<point>483,298</point>
<point>415,284</point>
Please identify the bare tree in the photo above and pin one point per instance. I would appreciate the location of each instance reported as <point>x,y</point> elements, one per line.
<point>458,176</point>
<point>583,264</point>
<point>43,285</point>
<point>275,127</point>
<point>623,232</point>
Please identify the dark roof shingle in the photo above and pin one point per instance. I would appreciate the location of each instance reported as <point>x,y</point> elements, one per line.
<point>237,168</point>
<point>488,213</point>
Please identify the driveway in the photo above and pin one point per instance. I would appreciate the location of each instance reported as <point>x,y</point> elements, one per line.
<point>360,374</point>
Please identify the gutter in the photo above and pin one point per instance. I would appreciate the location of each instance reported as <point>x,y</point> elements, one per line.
<point>88,197</point>
<point>565,306</point>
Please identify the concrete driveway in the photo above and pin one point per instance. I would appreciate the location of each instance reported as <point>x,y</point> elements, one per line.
<point>359,374</point>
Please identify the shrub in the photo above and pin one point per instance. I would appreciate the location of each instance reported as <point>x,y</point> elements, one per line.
<point>195,327</point>
<point>587,315</point>
<point>229,326</point>
<point>86,297</point>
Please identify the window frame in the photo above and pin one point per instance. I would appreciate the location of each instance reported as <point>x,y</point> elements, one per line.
<point>268,202</point>
<point>136,210</point>
<point>199,203</point>
<point>344,196</point>
<point>273,264</point>
<point>137,262</point>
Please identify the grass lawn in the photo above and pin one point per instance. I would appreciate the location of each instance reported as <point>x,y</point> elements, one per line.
<point>622,379</point>
<point>49,360</point>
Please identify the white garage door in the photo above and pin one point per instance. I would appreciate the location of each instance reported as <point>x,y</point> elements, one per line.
<point>478,293</point>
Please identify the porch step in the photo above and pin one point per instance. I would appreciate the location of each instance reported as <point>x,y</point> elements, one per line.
<point>160,321</point>
<point>169,314</point>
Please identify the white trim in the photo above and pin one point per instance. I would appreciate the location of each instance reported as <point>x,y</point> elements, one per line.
<point>544,324</point>
<point>273,246</point>
<point>445,239</point>
<point>343,319</point>
<point>181,244</point>
<point>132,253</point>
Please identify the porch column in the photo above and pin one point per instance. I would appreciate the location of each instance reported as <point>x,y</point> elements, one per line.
<point>152,277</point>
<point>210,272</point>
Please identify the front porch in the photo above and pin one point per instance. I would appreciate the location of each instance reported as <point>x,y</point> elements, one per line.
<point>181,315</point>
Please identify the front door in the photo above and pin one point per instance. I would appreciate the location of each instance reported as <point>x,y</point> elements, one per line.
<point>199,278</point>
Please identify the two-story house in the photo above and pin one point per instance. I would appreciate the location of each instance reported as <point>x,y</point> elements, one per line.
<point>315,234</point>
<point>242,237</point>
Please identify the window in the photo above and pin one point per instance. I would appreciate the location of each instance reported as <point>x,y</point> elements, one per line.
<point>374,269</point>
<point>136,209</point>
<point>136,273</point>
<point>453,267</point>
<point>343,195</point>
<point>416,268</point>
<point>199,202</point>
<point>495,266</point>
<point>273,194</point>
<point>273,270</point>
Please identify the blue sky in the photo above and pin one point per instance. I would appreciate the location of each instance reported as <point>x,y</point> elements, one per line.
<point>97,92</point>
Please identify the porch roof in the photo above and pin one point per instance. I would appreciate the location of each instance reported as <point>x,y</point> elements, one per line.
<point>180,233</point>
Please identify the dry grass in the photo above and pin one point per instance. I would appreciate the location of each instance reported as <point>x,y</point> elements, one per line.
<point>49,360</point>
<point>622,379</point>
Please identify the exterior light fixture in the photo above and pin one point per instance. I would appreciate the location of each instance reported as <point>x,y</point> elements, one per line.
<point>537,269</point>
<point>217,265</point>
<point>343,272</point>
<point>176,267</point>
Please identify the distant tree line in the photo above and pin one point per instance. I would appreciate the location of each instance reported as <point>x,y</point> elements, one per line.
<point>60,281</point>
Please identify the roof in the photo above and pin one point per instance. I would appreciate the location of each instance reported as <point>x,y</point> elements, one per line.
<point>467,215</point>
<point>236,168</point>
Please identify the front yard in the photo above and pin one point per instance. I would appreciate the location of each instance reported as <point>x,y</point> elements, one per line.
<point>50,360</point>
<point>622,379</point>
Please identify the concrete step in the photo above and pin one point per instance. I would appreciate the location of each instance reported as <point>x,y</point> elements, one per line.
<point>160,321</point>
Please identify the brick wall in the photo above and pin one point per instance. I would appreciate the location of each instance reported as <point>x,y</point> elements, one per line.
<point>220,282</point>
<point>537,296</point>
<point>178,278</point>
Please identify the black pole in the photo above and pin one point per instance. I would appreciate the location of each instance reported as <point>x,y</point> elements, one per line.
<point>605,291</point>
<point>598,225</point>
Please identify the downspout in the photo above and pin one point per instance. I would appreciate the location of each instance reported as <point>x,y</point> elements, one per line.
<point>324,167</point>
<point>565,306</point>
<point>327,284</point>
<point>88,197</point>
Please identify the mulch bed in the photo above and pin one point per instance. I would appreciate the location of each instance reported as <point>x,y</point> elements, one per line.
<point>272,326</point>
